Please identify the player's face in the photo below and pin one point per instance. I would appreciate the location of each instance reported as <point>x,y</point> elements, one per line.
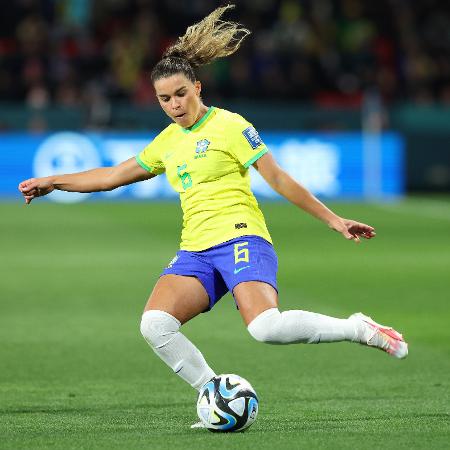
<point>179,97</point>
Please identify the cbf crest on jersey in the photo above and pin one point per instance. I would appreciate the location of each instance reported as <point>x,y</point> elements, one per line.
<point>201,148</point>
<point>252,137</point>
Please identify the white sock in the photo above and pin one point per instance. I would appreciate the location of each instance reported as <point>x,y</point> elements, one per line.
<point>160,330</point>
<point>297,326</point>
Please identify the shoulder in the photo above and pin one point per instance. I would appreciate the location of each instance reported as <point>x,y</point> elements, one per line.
<point>231,119</point>
<point>163,136</point>
<point>167,132</point>
<point>238,129</point>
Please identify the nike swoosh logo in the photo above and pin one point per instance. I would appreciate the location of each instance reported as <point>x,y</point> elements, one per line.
<point>242,268</point>
<point>168,155</point>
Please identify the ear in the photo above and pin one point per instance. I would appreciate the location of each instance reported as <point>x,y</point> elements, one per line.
<point>198,88</point>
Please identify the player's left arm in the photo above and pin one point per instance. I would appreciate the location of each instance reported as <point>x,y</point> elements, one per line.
<point>297,194</point>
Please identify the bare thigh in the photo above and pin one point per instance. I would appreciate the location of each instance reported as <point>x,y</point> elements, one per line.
<point>254,297</point>
<point>181,296</point>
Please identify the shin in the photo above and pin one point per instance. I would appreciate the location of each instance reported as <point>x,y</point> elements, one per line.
<point>161,331</point>
<point>275,327</point>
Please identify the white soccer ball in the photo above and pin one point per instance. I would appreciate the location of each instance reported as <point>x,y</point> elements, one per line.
<point>227,403</point>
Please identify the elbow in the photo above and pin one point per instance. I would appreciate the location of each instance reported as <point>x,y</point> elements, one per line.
<point>276,182</point>
<point>107,183</point>
<point>105,186</point>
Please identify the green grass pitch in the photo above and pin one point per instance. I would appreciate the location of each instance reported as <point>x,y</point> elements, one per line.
<point>76,374</point>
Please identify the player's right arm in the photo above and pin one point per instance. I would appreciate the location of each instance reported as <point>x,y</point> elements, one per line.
<point>95,180</point>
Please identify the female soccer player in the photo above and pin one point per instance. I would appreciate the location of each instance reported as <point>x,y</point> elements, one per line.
<point>225,246</point>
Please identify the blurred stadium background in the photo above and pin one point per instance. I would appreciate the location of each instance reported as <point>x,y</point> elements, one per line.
<point>316,66</point>
<point>352,97</point>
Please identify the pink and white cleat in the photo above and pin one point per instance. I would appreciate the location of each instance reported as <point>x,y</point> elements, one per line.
<point>380,336</point>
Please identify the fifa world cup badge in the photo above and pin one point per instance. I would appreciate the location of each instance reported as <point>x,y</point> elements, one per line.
<point>252,137</point>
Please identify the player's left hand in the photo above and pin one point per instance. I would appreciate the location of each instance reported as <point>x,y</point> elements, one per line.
<point>353,230</point>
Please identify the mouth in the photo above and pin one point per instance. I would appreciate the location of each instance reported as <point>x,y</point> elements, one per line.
<point>180,116</point>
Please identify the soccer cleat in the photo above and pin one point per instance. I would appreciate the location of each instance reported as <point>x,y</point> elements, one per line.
<point>382,337</point>
<point>198,425</point>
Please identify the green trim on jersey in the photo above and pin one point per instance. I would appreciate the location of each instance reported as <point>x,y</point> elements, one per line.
<point>143,165</point>
<point>256,157</point>
<point>200,122</point>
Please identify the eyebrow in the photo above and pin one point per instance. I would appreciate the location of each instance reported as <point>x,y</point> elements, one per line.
<point>176,92</point>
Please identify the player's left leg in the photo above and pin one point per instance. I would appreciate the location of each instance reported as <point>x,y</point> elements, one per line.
<point>258,305</point>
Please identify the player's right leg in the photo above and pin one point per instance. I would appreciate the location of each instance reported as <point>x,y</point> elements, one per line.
<point>175,300</point>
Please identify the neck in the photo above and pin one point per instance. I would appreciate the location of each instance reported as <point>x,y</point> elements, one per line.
<point>201,113</point>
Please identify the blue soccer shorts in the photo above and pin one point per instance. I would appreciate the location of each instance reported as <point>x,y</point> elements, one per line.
<point>222,267</point>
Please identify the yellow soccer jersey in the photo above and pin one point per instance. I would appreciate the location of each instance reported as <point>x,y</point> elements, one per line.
<point>208,164</point>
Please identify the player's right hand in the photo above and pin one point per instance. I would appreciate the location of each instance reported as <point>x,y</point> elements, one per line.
<point>35,187</point>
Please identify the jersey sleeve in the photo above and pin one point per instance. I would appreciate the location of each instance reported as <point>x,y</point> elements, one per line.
<point>244,142</point>
<point>150,158</point>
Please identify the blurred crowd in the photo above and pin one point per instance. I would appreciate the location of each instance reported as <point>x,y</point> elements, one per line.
<point>328,52</point>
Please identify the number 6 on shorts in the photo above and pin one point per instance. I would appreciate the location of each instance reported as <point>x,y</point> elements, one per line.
<point>241,254</point>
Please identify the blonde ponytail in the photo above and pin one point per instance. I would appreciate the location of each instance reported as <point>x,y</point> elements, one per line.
<point>203,42</point>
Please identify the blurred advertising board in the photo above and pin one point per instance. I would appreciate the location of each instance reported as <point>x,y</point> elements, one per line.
<point>342,166</point>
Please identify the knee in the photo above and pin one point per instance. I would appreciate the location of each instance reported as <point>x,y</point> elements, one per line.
<point>264,328</point>
<point>158,328</point>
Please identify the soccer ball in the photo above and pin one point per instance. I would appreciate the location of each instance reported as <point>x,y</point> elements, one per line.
<point>227,403</point>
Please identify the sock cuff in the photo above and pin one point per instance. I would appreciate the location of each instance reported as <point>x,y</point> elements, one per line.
<point>156,313</point>
<point>265,315</point>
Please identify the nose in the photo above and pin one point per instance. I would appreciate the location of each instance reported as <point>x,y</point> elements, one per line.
<point>175,104</point>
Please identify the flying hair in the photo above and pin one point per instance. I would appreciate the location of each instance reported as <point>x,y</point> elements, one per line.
<point>203,42</point>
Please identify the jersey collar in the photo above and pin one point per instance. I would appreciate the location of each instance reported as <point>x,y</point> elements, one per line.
<point>200,122</point>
